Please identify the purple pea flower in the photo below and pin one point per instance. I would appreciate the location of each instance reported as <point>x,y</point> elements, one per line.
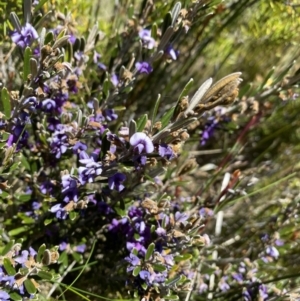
<point>172,53</point>
<point>272,251</point>
<point>203,287</point>
<point>141,143</point>
<point>143,67</point>
<point>59,211</point>
<point>145,36</point>
<point>209,130</point>
<point>25,37</point>
<point>133,260</point>
<point>18,135</point>
<point>223,285</point>
<point>48,105</point>
<point>96,58</point>
<point>110,115</point>
<point>30,104</point>
<point>70,190</point>
<point>115,182</point>
<point>161,231</point>
<point>4,295</point>
<point>23,258</point>
<point>79,146</point>
<point>63,246</point>
<point>59,142</point>
<point>80,248</point>
<point>92,169</point>
<point>115,80</point>
<point>166,151</point>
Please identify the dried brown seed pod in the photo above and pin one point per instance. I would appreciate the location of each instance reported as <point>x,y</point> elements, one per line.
<point>227,83</point>
<point>150,205</point>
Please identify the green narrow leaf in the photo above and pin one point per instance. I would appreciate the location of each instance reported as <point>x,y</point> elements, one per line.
<point>27,220</point>
<point>172,281</point>
<point>182,257</point>
<point>63,258</point>
<point>23,271</point>
<point>25,163</point>
<point>175,12</point>
<point>141,123</point>
<point>8,267</point>
<point>39,20</point>
<point>154,31</point>
<point>159,267</point>
<point>26,67</point>
<point>60,42</point>
<point>167,22</point>
<point>15,21</point>
<point>5,99</point>
<point>40,253</point>
<point>17,231</point>
<point>30,288</point>
<point>155,109</point>
<point>130,11</point>
<point>76,45</point>
<point>45,275</point>
<point>150,251</point>
<point>186,89</point>
<point>167,117</point>
<point>73,215</point>
<point>266,78</point>
<point>284,72</point>
<point>82,44</point>
<point>69,52</point>
<point>132,127</point>
<point>24,197</point>
<point>15,296</point>
<point>49,38</point>
<point>27,4</point>
<point>14,166</point>
<point>77,256</point>
<point>48,221</point>
<point>106,86</point>
<point>40,4</point>
<point>144,286</point>
<point>7,248</point>
<point>136,271</point>
<point>61,34</point>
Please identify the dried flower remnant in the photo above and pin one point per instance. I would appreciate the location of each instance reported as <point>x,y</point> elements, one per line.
<point>25,37</point>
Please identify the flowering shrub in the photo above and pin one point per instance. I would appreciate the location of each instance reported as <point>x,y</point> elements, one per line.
<point>109,189</point>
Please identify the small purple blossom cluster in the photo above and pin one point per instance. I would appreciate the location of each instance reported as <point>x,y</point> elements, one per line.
<point>14,264</point>
<point>213,123</point>
<point>24,36</point>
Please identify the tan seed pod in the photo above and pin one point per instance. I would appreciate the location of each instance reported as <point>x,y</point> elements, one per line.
<point>215,89</point>
<point>46,260</point>
<point>187,166</point>
<point>150,205</point>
